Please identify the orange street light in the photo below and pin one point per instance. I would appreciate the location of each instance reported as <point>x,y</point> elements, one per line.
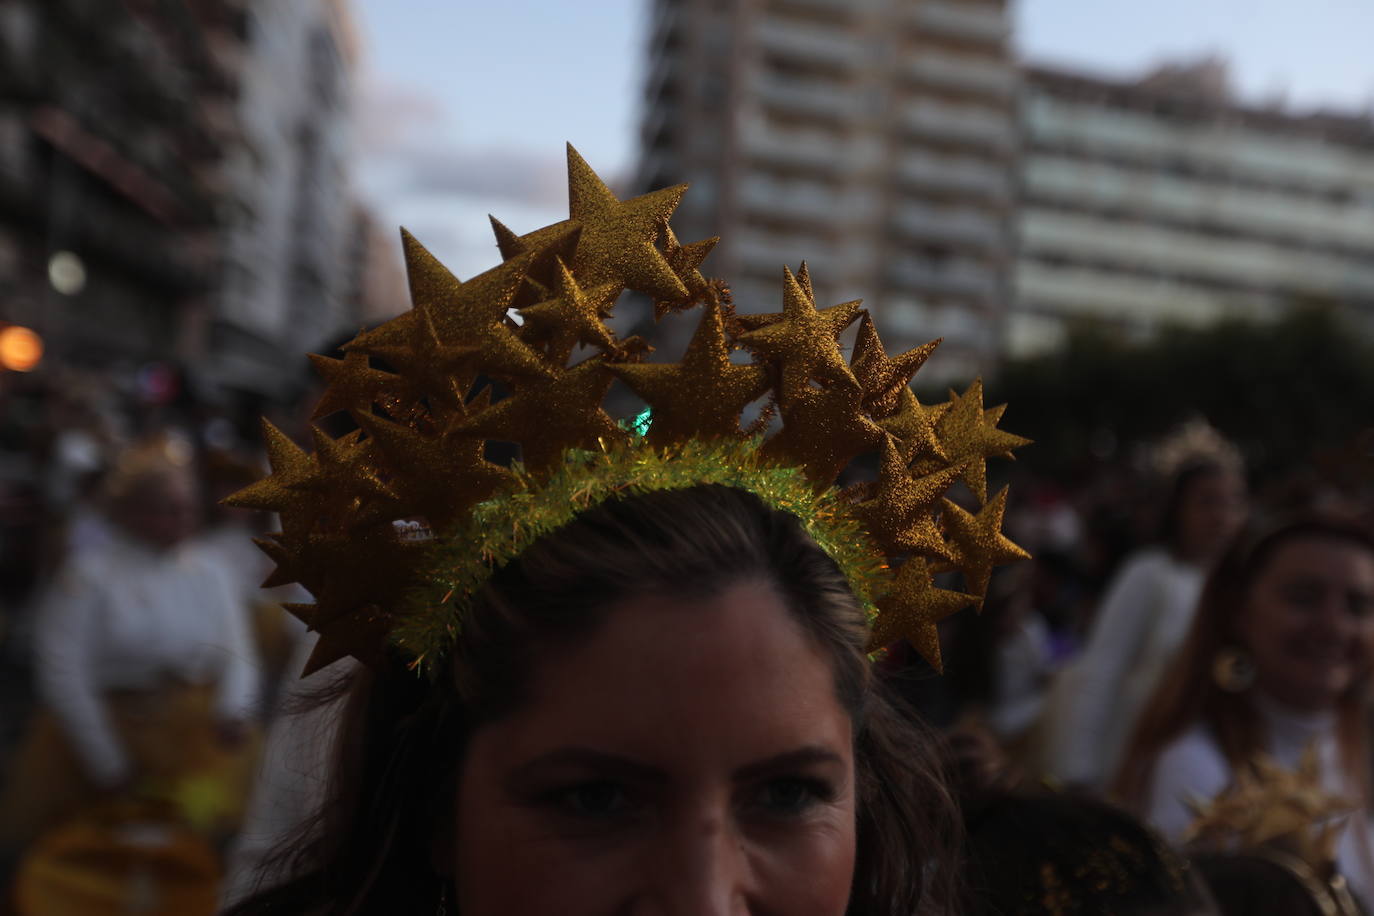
<point>20,348</point>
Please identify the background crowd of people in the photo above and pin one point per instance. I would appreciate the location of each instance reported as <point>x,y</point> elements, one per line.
<point>1171,626</point>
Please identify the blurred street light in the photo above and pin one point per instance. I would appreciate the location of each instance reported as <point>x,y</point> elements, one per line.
<point>20,348</point>
<point>66,273</point>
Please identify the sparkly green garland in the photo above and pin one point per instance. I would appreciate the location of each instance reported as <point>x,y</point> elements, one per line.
<point>499,530</point>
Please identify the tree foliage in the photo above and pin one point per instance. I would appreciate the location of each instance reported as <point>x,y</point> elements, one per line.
<point>1282,390</point>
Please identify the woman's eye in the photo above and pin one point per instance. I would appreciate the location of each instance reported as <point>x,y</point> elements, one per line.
<point>592,799</point>
<point>792,795</point>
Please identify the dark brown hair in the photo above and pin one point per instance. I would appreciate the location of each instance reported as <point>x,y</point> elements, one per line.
<point>1187,692</point>
<point>371,849</point>
<point>1029,854</point>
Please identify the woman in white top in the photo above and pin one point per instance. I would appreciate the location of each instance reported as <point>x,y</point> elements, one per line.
<point>1140,624</point>
<point>1277,660</point>
<point>145,669</point>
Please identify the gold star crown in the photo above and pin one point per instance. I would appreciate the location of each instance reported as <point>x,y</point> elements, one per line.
<point>394,528</point>
<point>1282,815</point>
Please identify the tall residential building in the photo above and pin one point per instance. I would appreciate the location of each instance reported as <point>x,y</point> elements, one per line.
<point>174,184</point>
<point>290,236</point>
<point>874,138</point>
<point>1162,200</point>
<point>113,122</point>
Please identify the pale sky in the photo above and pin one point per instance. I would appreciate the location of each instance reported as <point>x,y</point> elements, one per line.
<point>465,106</point>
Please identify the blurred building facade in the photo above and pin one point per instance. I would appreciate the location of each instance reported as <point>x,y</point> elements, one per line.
<point>289,274</point>
<point>1162,200</point>
<point>876,139</point>
<point>113,123</point>
<point>174,183</point>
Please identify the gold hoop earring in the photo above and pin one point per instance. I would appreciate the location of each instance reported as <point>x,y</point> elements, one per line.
<point>1233,670</point>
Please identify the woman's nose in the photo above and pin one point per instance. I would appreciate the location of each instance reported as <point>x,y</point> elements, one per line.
<point>702,868</point>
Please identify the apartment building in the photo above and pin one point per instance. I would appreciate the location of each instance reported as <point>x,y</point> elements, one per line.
<point>1162,200</point>
<point>876,139</point>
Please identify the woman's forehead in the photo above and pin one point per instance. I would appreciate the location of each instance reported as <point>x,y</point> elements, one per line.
<point>665,676</point>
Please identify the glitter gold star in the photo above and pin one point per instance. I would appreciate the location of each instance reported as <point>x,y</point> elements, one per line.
<point>571,317</point>
<point>913,608</point>
<point>353,385</point>
<point>280,491</point>
<point>901,514</point>
<point>914,427</point>
<point>702,396</point>
<point>968,437</point>
<point>823,430</point>
<point>685,260</point>
<point>884,378</point>
<point>471,314</point>
<point>617,240</point>
<point>805,341</point>
<point>437,369</point>
<point>978,542</point>
<point>546,417</point>
<point>440,475</point>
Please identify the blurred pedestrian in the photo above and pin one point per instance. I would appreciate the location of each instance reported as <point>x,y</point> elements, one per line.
<point>1140,624</point>
<point>1278,660</point>
<point>147,677</point>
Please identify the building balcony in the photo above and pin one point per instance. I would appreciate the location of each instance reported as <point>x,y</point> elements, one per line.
<point>808,43</point>
<point>960,124</point>
<point>955,226</point>
<point>966,21</point>
<point>810,202</point>
<point>814,150</point>
<point>814,99</point>
<point>988,76</point>
<point>971,177</point>
<point>956,279</point>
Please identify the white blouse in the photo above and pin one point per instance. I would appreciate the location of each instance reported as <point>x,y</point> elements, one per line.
<point>127,617</point>
<point>1194,768</point>
<point>1094,704</point>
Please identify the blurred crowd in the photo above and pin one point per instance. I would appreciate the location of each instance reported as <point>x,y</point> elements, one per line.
<point>1174,625</point>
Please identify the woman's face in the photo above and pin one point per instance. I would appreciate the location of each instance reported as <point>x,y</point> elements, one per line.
<point>1309,621</point>
<point>1210,513</point>
<point>691,757</point>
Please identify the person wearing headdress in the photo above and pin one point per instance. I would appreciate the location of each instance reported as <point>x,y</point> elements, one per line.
<point>1145,611</point>
<point>1278,660</point>
<point>632,672</point>
<point>146,674</point>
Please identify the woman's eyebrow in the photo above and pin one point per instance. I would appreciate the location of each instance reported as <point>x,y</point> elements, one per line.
<point>810,755</point>
<point>589,759</point>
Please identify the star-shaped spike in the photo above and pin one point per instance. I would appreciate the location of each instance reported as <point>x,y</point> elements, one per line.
<point>978,542</point>
<point>967,436</point>
<point>555,241</point>
<point>685,260</point>
<point>901,514</point>
<point>471,314</point>
<point>912,609</point>
<point>805,341</point>
<point>442,371</point>
<point>281,490</point>
<point>571,317</point>
<point>443,474</point>
<point>345,484</point>
<point>352,384</point>
<point>884,378</point>
<point>702,396</point>
<point>914,429</point>
<point>617,241</point>
<point>823,430</point>
<point>549,416</point>
<point>361,633</point>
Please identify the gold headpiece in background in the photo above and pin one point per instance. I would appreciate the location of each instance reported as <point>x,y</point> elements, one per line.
<point>394,527</point>
<point>1286,817</point>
